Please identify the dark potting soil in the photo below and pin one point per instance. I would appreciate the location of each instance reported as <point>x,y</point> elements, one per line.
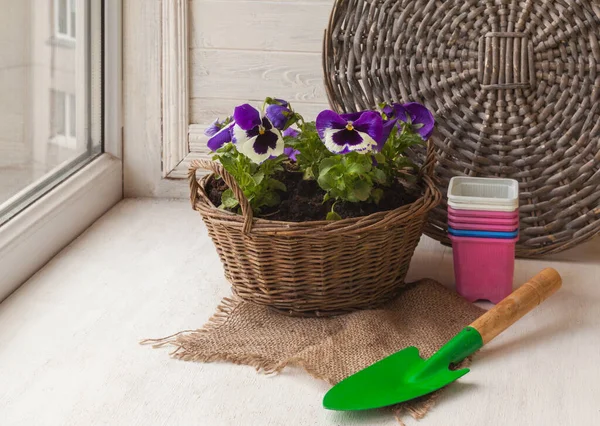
<point>303,200</point>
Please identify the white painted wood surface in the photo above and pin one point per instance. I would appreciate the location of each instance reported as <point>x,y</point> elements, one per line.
<point>142,103</point>
<point>175,93</point>
<point>290,26</point>
<point>69,354</point>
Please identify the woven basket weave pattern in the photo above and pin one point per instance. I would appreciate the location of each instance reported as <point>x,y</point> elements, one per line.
<point>314,268</point>
<point>515,89</point>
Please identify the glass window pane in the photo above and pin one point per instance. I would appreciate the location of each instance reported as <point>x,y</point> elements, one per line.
<point>61,15</point>
<point>73,26</point>
<point>50,96</point>
<point>57,113</point>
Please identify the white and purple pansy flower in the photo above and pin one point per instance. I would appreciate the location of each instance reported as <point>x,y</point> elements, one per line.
<point>279,112</point>
<point>413,114</point>
<point>220,133</point>
<point>358,131</point>
<point>255,136</point>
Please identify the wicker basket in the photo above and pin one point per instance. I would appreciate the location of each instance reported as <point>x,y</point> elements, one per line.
<point>515,89</point>
<point>317,268</point>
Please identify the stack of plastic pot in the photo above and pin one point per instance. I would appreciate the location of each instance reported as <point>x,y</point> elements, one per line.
<point>483,225</point>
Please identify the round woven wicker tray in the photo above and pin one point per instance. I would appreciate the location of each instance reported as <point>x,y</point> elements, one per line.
<point>514,86</point>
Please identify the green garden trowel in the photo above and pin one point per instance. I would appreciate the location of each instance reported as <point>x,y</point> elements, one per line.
<point>405,375</point>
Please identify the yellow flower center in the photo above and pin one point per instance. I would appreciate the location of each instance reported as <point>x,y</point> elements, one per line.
<point>261,130</point>
<point>349,126</point>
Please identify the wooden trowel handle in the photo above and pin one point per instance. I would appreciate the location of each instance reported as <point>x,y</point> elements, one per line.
<point>521,301</point>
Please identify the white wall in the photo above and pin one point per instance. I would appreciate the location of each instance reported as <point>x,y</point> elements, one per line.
<point>243,51</point>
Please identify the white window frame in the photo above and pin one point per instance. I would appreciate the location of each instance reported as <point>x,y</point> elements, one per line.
<point>161,142</point>
<point>35,235</point>
<point>68,36</point>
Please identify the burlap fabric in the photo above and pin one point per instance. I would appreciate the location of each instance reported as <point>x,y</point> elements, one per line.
<point>425,315</point>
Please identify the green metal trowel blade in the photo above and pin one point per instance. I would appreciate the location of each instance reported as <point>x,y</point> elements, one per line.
<point>403,376</point>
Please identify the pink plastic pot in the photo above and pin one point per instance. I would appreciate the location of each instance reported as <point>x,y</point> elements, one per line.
<point>483,267</point>
<point>483,227</point>
<point>484,213</point>
<point>484,220</point>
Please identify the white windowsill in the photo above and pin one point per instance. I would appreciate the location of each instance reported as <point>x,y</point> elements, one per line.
<point>40,231</point>
<point>69,352</point>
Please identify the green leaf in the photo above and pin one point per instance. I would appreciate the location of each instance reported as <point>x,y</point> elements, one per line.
<point>333,216</point>
<point>379,176</point>
<point>271,199</point>
<point>275,184</point>
<point>357,169</point>
<point>228,200</point>
<point>326,182</point>
<point>327,164</point>
<point>258,177</point>
<point>308,174</point>
<point>361,190</point>
<point>377,194</point>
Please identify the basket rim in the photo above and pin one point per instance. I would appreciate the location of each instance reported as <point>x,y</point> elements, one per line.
<point>429,199</point>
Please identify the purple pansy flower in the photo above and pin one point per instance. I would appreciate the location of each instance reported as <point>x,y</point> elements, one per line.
<point>279,113</point>
<point>343,133</point>
<point>213,128</point>
<point>417,116</point>
<point>388,125</point>
<point>291,132</point>
<point>291,153</point>
<point>220,133</point>
<point>256,136</point>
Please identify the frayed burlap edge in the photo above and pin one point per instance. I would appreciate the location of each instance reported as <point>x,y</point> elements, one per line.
<point>416,408</point>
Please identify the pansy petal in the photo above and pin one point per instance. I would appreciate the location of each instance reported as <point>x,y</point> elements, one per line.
<point>388,125</point>
<point>213,128</point>
<point>265,142</point>
<point>421,115</point>
<point>388,110</point>
<point>291,132</point>
<point>291,153</point>
<point>220,138</point>
<point>400,112</point>
<point>266,123</point>
<point>351,116</point>
<point>278,115</point>
<point>246,116</point>
<point>262,147</point>
<point>280,146</point>
<point>347,137</point>
<point>371,123</point>
<point>344,141</point>
<point>281,102</point>
<point>330,144</point>
<point>247,148</point>
<point>329,120</point>
<point>241,136</point>
<point>369,144</point>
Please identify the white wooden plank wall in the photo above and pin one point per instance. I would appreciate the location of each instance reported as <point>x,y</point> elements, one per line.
<point>242,51</point>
